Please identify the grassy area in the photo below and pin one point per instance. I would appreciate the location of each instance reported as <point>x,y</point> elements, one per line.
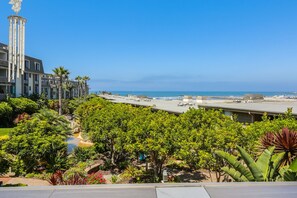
<point>4,133</point>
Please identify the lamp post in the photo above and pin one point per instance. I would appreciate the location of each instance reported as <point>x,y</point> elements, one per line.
<point>16,47</point>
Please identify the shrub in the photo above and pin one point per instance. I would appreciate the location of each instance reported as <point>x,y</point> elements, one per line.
<point>21,105</point>
<point>5,114</point>
<point>114,179</point>
<point>75,177</point>
<point>83,154</point>
<point>5,162</point>
<point>96,178</point>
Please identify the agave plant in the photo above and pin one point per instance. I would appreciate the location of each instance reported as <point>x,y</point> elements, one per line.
<point>264,169</point>
<point>284,141</point>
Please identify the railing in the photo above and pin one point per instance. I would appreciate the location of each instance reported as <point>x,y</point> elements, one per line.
<point>45,84</point>
<point>3,79</point>
<point>3,63</point>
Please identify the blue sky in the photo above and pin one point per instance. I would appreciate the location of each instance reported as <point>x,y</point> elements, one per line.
<point>185,45</point>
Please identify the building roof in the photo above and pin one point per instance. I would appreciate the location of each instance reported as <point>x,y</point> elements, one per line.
<point>273,108</point>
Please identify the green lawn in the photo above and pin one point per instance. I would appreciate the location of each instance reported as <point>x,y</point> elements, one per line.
<point>4,131</point>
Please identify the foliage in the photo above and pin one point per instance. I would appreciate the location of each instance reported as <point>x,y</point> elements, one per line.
<point>204,131</point>
<point>253,132</point>
<point>70,173</point>
<point>54,105</point>
<point>132,173</point>
<point>5,162</point>
<point>40,99</point>
<point>5,131</point>
<point>21,117</point>
<point>14,185</point>
<point>87,110</point>
<point>106,125</point>
<point>264,169</point>
<point>6,112</point>
<point>39,142</point>
<point>42,176</point>
<point>114,179</point>
<point>75,178</point>
<point>96,178</point>
<point>82,154</point>
<point>289,173</point>
<point>21,105</point>
<point>155,135</point>
<point>62,75</point>
<point>284,141</point>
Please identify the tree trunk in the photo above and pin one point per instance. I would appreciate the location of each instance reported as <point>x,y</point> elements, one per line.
<point>60,97</point>
<point>218,176</point>
<point>209,172</point>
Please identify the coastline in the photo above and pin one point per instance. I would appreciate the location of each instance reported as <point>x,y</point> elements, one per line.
<point>209,95</point>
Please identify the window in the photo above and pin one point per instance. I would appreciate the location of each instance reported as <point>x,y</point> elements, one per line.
<point>36,89</point>
<point>3,56</point>
<point>37,66</point>
<point>27,64</point>
<point>26,92</point>
<point>36,77</point>
<point>26,76</point>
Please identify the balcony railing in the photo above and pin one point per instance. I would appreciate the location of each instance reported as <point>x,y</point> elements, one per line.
<point>3,63</point>
<point>3,79</point>
<point>45,84</point>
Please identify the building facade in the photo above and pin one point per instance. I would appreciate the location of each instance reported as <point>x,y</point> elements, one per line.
<point>33,81</point>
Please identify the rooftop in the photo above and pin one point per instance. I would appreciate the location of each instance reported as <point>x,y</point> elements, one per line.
<point>272,107</point>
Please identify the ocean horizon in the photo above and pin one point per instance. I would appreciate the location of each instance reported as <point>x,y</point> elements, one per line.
<point>169,94</point>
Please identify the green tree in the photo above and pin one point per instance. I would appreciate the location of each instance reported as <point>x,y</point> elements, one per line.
<point>62,74</point>
<point>5,114</point>
<point>155,135</point>
<point>80,84</point>
<point>204,131</point>
<point>23,105</point>
<point>39,141</point>
<point>253,132</point>
<point>85,80</point>
<point>68,86</point>
<point>108,127</point>
<point>5,162</point>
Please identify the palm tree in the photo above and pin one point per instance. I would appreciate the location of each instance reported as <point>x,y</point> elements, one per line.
<point>62,74</point>
<point>85,84</point>
<point>68,86</point>
<point>79,80</point>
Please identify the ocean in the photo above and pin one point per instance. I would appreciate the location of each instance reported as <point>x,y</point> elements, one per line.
<point>214,94</point>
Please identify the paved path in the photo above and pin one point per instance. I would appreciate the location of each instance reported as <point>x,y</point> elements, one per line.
<point>28,181</point>
<point>72,143</point>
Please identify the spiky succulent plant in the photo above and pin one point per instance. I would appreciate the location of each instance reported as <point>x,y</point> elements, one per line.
<point>283,141</point>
